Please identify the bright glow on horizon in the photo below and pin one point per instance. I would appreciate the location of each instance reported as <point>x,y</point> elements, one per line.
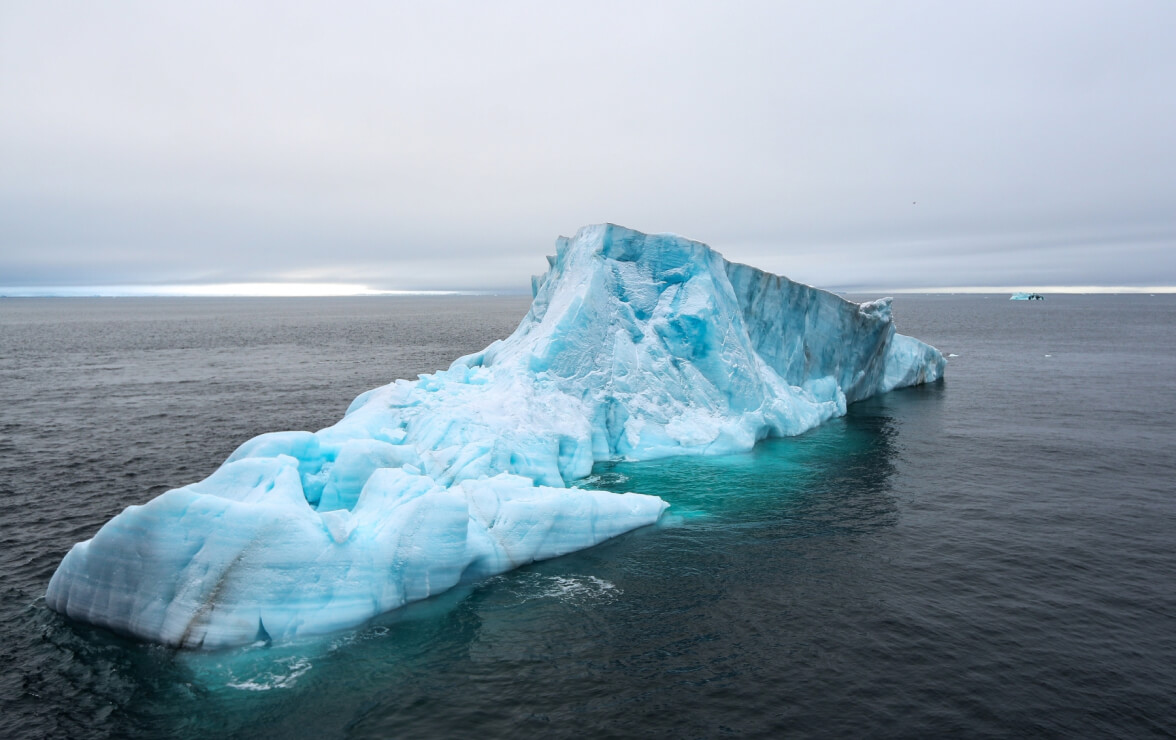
<point>217,290</point>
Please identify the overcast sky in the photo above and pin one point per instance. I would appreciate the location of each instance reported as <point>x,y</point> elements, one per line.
<point>445,145</point>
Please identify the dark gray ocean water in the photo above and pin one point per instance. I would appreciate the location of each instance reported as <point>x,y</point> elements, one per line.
<point>993,555</point>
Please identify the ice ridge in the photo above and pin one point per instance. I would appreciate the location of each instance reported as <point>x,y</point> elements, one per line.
<point>636,346</point>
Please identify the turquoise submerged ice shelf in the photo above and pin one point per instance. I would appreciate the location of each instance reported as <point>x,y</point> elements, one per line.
<point>636,347</point>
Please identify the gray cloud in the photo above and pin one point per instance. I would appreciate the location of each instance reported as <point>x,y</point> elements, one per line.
<point>445,145</point>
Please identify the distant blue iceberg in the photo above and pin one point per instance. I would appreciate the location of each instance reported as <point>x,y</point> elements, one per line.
<point>636,346</point>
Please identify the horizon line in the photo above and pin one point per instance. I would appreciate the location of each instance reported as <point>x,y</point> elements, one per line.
<point>344,290</point>
<point>229,290</point>
<point>1043,289</point>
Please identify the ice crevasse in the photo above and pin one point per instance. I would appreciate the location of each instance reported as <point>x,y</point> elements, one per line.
<point>636,346</point>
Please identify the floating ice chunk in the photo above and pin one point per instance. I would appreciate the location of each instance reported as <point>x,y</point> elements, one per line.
<point>636,346</point>
<point>197,569</point>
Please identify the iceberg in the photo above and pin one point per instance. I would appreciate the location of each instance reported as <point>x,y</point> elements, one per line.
<point>636,346</point>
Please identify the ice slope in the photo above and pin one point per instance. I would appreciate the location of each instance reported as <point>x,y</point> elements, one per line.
<point>636,346</point>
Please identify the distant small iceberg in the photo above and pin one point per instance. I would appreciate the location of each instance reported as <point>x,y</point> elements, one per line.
<point>1026,297</point>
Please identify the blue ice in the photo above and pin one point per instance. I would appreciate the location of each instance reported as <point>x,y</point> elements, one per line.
<point>636,346</point>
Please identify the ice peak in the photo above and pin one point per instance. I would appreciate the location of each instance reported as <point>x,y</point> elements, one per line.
<point>636,345</point>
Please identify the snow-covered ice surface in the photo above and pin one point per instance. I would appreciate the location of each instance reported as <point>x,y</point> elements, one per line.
<point>636,346</point>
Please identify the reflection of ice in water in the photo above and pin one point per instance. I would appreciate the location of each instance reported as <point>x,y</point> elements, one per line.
<point>283,674</point>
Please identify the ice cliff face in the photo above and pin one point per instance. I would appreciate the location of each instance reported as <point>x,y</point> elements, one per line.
<point>636,346</point>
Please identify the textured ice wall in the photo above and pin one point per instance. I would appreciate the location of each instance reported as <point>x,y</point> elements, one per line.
<point>637,346</point>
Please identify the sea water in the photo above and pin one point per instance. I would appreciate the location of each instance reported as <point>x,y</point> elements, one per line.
<point>993,554</point>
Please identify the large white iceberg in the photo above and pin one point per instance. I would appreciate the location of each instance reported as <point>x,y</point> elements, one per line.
<point>636,346</point>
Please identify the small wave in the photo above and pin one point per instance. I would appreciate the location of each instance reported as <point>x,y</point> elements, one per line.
<point>284,675</point>
<point>573,589</point>
<point>522,588</point>
<point>602,480</point>
<point>580,588</point>
<point>369,632</point>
